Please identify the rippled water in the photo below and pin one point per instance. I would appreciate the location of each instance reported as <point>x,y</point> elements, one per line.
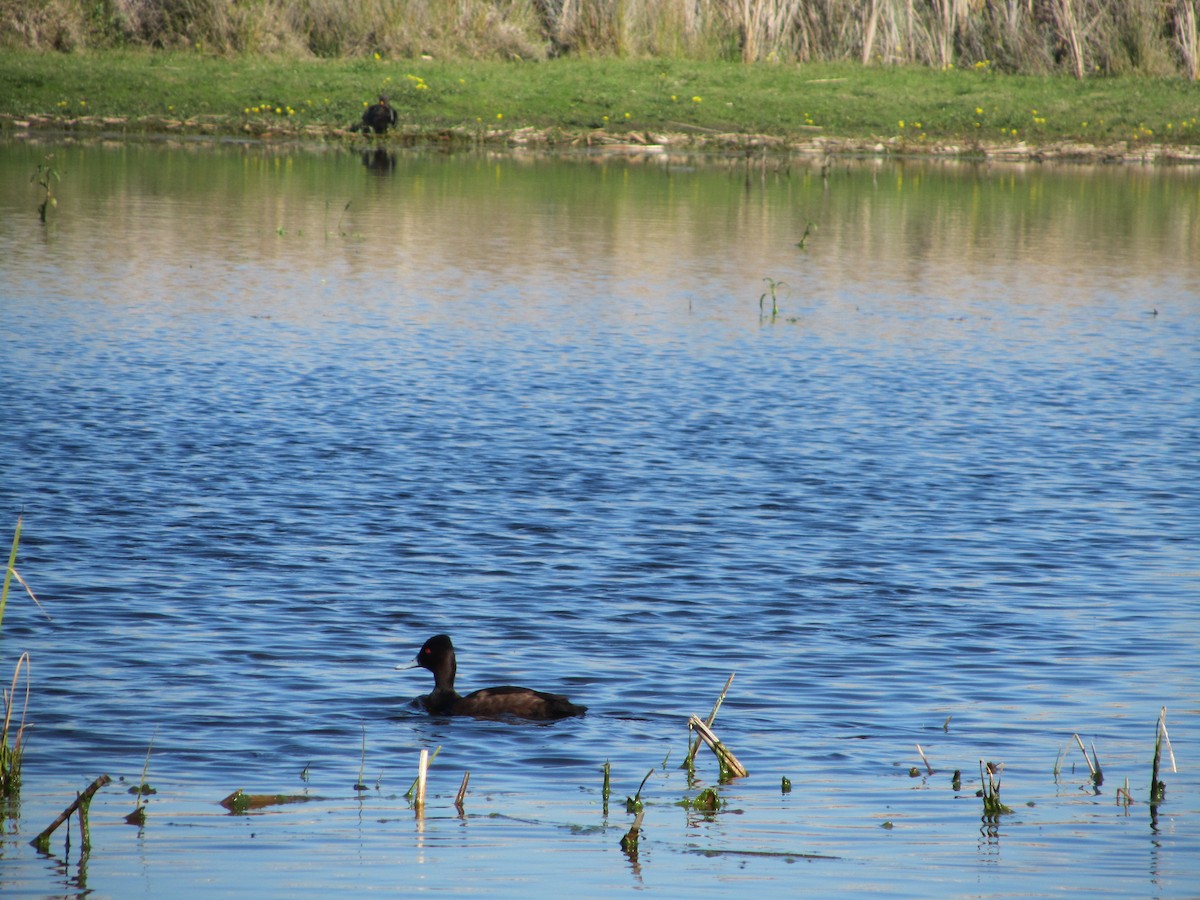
<point>273,417</point>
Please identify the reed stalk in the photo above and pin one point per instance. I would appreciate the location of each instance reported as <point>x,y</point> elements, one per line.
<point>1096,773</point>
<point>693,746</point>
<point>730,767</point>
<point>1187,36</point>
<point>928,767</point>
<point>138,816</point>
<point>1023,35</point>
<point>462,792</point>
<point>989,777</point>
<point>412,788</point>
<point>1158,788</point>
<point>422,773</point>
<point>634,803</point>
<point>9,570</point>
<point>10,756</point>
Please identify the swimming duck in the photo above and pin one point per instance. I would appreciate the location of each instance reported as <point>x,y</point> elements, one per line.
<point>437,655</point>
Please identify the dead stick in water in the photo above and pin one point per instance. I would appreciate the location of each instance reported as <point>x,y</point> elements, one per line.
<point>1087,759</point>
<point>1162,726</point>
<point>42,841</point>
<point>928,767</point>
<point>712,717</point>
<point>728,760</point>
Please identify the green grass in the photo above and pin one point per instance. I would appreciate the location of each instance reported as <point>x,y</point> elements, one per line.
<point>157,90</point>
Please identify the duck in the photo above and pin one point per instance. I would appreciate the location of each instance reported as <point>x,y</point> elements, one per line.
<point>437,655</point>
<point>378,117</point>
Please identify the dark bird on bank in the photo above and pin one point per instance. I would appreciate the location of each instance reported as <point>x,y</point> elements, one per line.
<point>378,117</point>
<point>437,655</point>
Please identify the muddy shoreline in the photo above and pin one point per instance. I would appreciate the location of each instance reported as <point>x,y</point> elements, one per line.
<point>633,143</point>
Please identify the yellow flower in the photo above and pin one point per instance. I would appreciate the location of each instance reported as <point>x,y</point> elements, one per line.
<point>627,115</point>
<point>979,110</point>
<point>499,115</point>
<point>377,55</point>
<point>901,123</point>
<point>697,100</point>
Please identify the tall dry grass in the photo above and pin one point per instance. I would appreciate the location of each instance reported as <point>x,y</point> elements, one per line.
<point>1083,37</point>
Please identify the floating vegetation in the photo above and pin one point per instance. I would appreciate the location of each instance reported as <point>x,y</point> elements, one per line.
<point>785,786</point>
<point>809,229</point>
<point>80,804</point>
<point>708,800</point>
<point>239,801</point>
<point>956,780</point>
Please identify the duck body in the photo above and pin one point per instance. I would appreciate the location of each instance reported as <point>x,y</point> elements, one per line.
<point>378,117</point>
<point>509,701</point>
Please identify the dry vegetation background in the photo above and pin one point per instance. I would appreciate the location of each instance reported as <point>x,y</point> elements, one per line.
<point>1082,37</point>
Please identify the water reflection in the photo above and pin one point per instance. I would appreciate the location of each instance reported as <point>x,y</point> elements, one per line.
<point>379,161</point>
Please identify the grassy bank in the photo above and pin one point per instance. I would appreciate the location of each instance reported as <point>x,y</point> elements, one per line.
<point>572,97</point>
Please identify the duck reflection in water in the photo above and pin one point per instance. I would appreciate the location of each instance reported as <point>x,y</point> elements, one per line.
<point>508,702</point>
<point>379,161</point>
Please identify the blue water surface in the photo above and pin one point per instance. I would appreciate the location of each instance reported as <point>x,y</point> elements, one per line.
<point>272,419</point>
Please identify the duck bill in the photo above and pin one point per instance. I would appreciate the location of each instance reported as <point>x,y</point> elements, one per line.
<point>411,664</point>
